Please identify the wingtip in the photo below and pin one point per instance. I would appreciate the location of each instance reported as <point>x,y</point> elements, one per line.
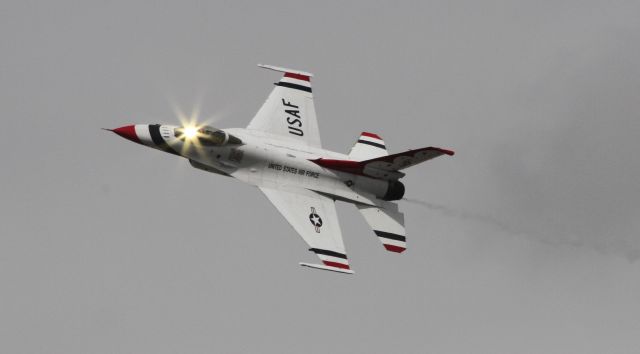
<point>285,70</point>
<point>329,268</point>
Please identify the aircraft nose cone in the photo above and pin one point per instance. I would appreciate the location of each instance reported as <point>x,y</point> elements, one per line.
<point>128,132</point>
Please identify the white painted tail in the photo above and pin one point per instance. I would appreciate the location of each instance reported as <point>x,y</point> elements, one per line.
<point>367,147</point>
<point>387,224</point>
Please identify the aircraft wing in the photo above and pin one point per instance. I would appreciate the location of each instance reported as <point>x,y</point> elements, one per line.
<point>314,217</point>
<point>289,111</point>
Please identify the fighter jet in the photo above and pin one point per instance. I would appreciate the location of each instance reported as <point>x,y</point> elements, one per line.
<point>280,153</point>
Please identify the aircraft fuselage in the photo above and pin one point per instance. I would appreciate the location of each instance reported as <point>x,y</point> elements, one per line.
<point>263,160</point>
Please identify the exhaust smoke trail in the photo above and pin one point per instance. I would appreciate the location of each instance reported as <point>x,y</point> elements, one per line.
<point>486,219</point>
<point>632,254</point>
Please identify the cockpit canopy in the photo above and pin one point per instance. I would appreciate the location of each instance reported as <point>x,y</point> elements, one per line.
<point>206,135</point>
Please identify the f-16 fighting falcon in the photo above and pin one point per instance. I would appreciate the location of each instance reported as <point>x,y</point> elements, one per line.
<point>280,153</point>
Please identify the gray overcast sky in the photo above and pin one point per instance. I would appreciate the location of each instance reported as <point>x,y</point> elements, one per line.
<point>531,245</point>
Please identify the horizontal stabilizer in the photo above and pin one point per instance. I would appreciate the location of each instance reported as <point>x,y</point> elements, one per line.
<point>367,147</point>
<point>324,267</point>
<point>388,224</point>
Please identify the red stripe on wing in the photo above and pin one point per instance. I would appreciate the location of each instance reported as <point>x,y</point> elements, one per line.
<point>336,264</point>
<point>394,248</point>
<point>297,76</point>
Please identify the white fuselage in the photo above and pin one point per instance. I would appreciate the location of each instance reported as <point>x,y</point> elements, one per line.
<point>267,160</point>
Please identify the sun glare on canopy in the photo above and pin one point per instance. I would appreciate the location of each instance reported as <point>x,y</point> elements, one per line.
<point>190,132</point>
<point>205,136</point>
<point>198,134</point>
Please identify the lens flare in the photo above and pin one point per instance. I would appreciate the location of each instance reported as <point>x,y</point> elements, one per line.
<point>190,124</point>
<point>190,132</point>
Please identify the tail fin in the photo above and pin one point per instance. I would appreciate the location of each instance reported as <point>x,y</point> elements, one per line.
<point>388,225</point>
<point>367,147</point>
<point>385,167</point>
